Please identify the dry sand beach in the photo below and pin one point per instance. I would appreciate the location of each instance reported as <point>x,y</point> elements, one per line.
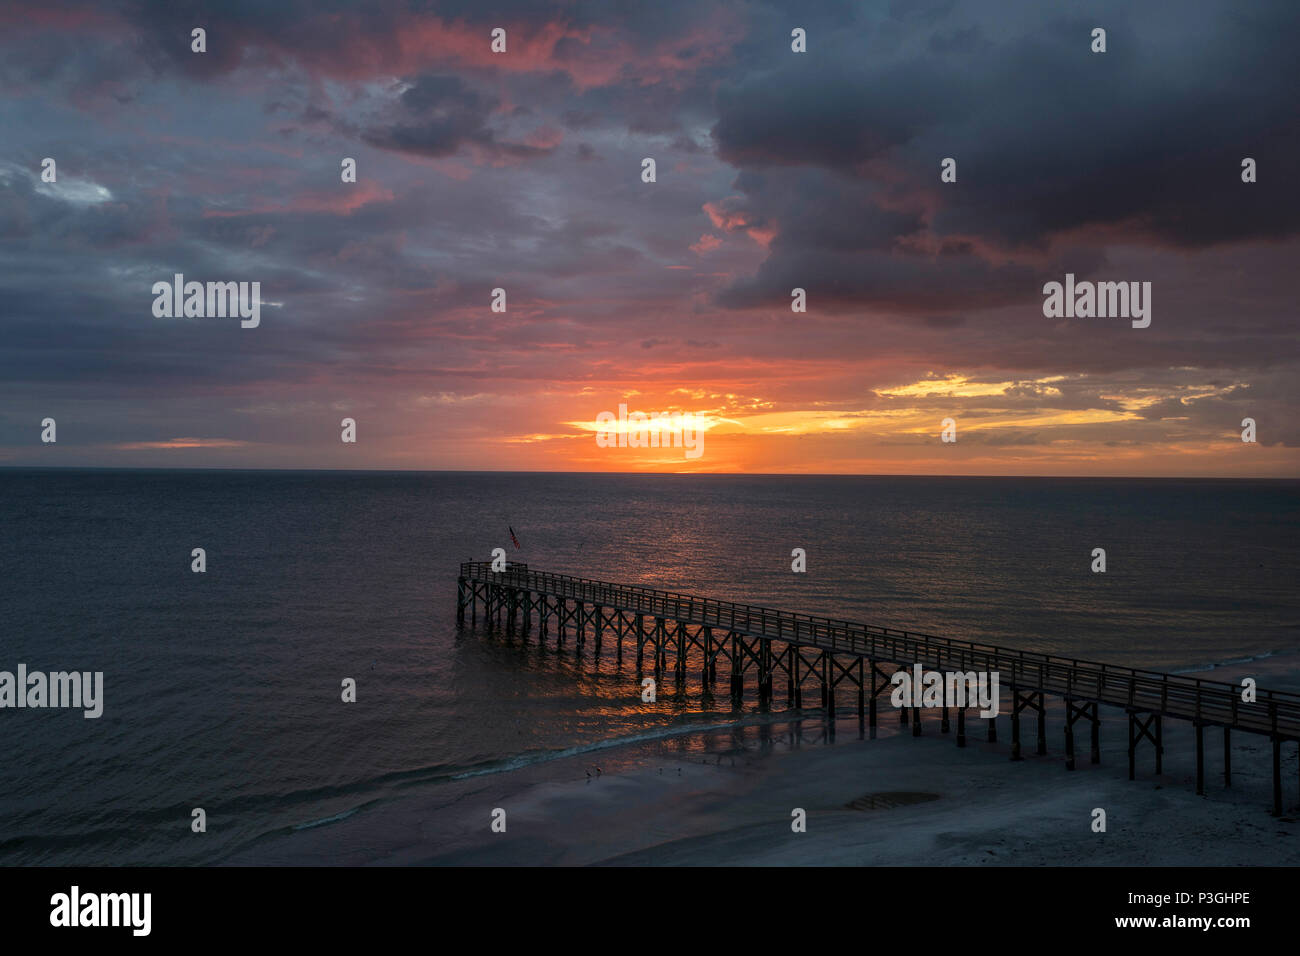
<point>725,798</point>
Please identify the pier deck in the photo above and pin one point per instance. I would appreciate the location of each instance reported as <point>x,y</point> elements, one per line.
<point>769,642</point>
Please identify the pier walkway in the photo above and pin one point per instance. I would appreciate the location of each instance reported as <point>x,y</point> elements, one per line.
<point>770,644</point>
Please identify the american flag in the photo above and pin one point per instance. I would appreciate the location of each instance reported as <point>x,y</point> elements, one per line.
<point>512,536</point>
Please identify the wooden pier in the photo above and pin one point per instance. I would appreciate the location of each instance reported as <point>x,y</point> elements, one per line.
<point>780,646</point>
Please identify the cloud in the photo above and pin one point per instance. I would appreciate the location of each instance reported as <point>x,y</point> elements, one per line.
<point>776,170</point>
<point>839,152</point>
<point>180,443</point>
<point>437,115</point>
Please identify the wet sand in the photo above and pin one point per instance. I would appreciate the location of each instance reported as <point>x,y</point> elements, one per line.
<point>726,798</point>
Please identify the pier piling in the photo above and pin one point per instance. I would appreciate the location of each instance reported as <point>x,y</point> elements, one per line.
<point>1227,757</point>
<point>1200,759</point>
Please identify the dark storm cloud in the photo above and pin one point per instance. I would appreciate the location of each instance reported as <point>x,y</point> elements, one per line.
<point>1146,139</point>
<point>822,211</point>
<point>835,115</point>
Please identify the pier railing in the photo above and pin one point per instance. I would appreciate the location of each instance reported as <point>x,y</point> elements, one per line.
<point>1192,698</point>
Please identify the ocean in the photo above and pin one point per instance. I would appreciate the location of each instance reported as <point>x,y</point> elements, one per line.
<point>222,690</point>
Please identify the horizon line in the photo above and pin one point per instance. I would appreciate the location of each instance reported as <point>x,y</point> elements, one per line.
<point>637,474</point>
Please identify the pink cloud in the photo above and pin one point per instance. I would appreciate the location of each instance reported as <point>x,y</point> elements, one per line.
<point>708,242</point>
<point>181,443</point>
<point>345,199</point>
<point>364,45</point>
<point>728,216</point>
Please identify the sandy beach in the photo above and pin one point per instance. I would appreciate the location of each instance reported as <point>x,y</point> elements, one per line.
<point>726,797</point>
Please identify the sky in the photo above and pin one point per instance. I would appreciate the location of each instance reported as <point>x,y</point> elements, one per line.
<point>774,170</point>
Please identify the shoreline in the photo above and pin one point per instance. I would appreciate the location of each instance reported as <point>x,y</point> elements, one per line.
<point>724,796</point>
